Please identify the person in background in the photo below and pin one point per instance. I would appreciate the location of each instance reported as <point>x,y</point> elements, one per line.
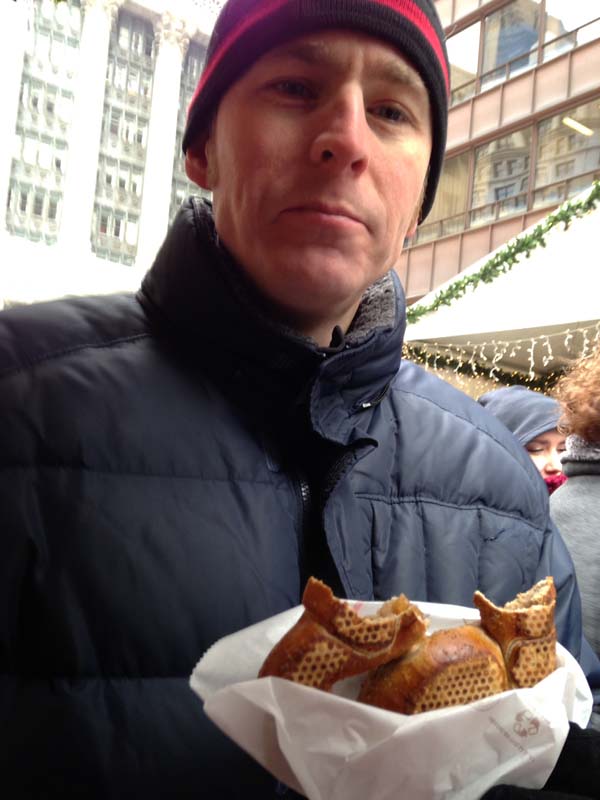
<point>575,508</point>
<point>533,419</point>
<point>175,464</point>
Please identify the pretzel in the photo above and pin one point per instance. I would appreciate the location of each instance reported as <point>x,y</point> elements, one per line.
<point>524,629</point>
<point>451,667</point>
<point>331,641</point>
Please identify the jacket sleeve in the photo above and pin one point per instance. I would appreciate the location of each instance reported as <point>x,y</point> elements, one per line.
<point>556,561</point>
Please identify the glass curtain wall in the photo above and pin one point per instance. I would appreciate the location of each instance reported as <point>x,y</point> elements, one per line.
<point>40,146</point>
<point>122,159</point>
<point>501,177</point>
<point>565,160</point>
<point>568,154</point>
<point>510,41</point>
<point>451,200</point>
<point>514,38</point>
<point>181,186</point>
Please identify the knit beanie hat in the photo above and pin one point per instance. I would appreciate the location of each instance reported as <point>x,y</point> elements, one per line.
<point>525,413</point>
<point>246,29</point>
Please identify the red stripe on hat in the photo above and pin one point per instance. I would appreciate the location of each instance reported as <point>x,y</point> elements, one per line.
<point>405,8</point>
<point>413,13</point>
<point>264,10</point>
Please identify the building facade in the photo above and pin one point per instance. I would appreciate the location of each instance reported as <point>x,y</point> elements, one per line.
<point>95,113</point>
<point>95,93</point>
<point>523,133</point>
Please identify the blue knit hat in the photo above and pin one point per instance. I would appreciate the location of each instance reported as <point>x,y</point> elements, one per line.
<point>525,413</point>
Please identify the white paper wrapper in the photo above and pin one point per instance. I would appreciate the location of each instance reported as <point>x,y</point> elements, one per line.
<point>330,747</point>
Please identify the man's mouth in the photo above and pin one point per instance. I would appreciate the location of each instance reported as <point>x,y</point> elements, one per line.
<point>328,213</point>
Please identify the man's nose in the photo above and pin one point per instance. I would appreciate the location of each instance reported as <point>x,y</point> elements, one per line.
<point>341,141</point>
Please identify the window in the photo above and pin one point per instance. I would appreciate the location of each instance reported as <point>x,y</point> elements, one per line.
<point>556,138</point>
<point>71,57</point>
<point>133,81</point>
<point>561,18</point>
<point>463,54</point>
<point>30,148</point>
<point>117,227</point>
<point>131,232</point>
<point>507,155</point>
<point>452,193</point>
<point>146,85</point>
<point>502,192</point>
<point>511,34</point>
<point>23,201</point>
<point>45,156</point>
<point>38,204</point>
<point>115,120</point>
<point>57,53</point>
<point>103,226</point>
<point>120,76</point>
<point>52,208</point>
<point>136,43</point>
<point>565,169</point>
<point>136,183</point>
<point>64,108</point>
<point>42,47</point>
<point>124,37</point>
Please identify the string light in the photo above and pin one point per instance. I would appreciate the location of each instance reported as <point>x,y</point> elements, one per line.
<point>473,365</point>
<point>531,351</point>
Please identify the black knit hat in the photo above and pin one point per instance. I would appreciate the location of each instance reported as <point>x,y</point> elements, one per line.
<point>246,29</point>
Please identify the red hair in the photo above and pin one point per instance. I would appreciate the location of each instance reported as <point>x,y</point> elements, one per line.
<point>578,392</point>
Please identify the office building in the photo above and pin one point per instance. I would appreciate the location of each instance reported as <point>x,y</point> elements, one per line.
<point>523,133</point>
<point>95,97</point>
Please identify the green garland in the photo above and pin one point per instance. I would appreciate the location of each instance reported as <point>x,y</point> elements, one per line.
<point>505,259</point>
<point>541,383</point>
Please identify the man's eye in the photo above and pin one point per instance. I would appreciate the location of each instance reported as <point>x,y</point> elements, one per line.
<point>389,113</point>
<point>293,88</point>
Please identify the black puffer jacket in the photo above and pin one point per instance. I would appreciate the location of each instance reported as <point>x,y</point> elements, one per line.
<point>155,457</point>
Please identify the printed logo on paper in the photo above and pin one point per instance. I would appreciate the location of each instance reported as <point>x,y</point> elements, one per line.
<point>526,724</point>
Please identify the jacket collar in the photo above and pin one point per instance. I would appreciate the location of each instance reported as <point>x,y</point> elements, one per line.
<point>196,289</point>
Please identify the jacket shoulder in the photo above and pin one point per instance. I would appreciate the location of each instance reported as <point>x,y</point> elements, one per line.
<point>463,450</point>
<point>435,398</point>
<point>35,333</point>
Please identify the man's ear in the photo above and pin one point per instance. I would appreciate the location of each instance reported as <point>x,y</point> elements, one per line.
<point>199,163</point>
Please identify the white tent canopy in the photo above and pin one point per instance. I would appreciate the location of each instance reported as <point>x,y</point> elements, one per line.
<point>551,299</point>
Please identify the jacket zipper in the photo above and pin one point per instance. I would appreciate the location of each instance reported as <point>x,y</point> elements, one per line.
<point>303,529</point>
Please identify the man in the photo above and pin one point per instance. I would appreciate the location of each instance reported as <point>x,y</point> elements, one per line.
<point>175,465</point>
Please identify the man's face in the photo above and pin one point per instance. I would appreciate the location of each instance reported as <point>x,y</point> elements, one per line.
<point>317,160</point>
